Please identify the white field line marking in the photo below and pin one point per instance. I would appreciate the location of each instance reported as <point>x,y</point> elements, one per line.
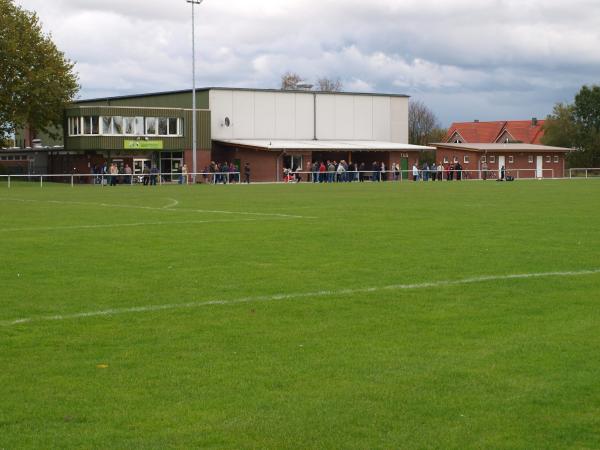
<point>298,295</point>
<point>119,225</point>
<point>151,208</point>
<point>172,203</point>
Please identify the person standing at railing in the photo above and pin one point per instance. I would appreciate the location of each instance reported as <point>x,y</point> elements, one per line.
<point>114,172</point>
<point>458,169</point>
<point>440,172</point>
<point>433,171</point>
<point>484,170</point>
<point>153,175</point>
<point>415,172</point>
<point>127,174</point>
<point>247,173</point>
<point>183,176</point>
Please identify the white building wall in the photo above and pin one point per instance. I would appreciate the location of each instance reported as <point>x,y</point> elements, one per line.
<point>261,115</point>
<point>363,118</point>
<point>282,115</point>
<point>399,118</point>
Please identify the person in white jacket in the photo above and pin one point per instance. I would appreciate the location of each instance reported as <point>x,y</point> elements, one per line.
<point>415,171</point>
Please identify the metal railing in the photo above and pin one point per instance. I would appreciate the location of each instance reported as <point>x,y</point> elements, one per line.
<point>298,176</point>
<point>409,175</point>
<point>126,179</point>
<point>584,172</point>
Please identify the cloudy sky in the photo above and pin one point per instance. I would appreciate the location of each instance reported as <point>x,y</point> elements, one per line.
<point>466,59</point>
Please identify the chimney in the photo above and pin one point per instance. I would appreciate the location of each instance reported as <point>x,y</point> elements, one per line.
<point>534,122</point>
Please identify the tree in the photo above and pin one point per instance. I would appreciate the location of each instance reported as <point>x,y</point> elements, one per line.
<point>325,84</point>
<point>423,125</point>
<point>577,126</point>
<point>290,81</point>
<point>36,80</point>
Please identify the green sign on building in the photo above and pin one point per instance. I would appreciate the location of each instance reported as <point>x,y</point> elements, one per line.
<point>143,145</point>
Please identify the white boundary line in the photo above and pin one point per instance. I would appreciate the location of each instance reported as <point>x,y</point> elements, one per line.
<point>120,225</point>
<point>298,295</point>
<point>168,208</point>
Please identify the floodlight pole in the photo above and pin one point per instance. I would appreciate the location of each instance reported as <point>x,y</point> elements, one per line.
<point>194,130</point>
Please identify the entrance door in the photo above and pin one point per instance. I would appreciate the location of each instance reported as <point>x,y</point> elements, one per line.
<point>501,162</point>
<point>539,167</point>
<point>138,168</point>
<point>404,168</point>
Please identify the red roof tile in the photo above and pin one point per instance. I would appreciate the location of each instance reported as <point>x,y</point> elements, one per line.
<point>489,132</point>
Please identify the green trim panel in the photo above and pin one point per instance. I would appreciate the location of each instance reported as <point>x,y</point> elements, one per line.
<point>101,142</point>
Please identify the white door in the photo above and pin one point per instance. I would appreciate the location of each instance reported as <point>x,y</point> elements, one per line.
<point>500,165</point>
<point>539,165</point>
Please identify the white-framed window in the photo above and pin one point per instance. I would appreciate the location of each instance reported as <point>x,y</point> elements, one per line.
<point>484,159</point>
<point>466,159</point>
<point>151,126</point>
<point>530,159</point>
<point>492,159</point>
<point>548,158</point>
<point>445,160</point>
<point>106,125</point>
<point>455,160</point>
<point>556,159</point>
<point>511,159</point>
<point>125,126</point>
<point>117,124</point>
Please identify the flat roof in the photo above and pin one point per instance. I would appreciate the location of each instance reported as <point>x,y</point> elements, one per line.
<point>324,145</point>
<point>487,147</point>
<point>205,89</point>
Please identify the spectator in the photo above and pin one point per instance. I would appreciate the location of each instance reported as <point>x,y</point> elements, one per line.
<point>247,173</point>
<point>415,172</point>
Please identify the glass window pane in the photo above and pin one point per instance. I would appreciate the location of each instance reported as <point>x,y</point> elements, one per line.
<point>139,126</point>
<point>162,126</point>
<point>76,125</point>
<point>150,125</point>
<point>117,125</point>
<point>173,126</point>
<point>95,125</point>
<point>107,125</point>
<point>129,125</point>
<point>87,125</point>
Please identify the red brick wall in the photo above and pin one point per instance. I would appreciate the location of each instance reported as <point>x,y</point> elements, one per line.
<point>520,162</point>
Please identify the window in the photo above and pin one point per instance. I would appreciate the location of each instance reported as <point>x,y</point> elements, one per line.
<point>556,159</point>
<point>483,159</point>
<point>511,159</point>
<point>130,125</point>
<point>117,125</point>
<point>466,159</point>
<point>548,158</point>
<point>445,160</point>
<point>455,160</point>
<point>163,126</point>
<point>173,126</point>
<point>76,125</point>
<point>150,125</point>
<point>95,125</point>
<point>530,159</point>
<point>492,159</point>
<point>87,125</point>
<point>106,125</point>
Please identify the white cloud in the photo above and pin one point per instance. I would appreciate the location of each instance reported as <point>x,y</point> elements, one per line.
<point>466,58</point>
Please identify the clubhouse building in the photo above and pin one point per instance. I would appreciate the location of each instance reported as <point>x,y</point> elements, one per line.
<point>269,129</point>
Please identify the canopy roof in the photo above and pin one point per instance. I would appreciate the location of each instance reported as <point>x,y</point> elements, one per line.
<point>324,145</point>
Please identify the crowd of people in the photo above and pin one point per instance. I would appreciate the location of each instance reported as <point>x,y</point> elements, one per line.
<point>330,171</point>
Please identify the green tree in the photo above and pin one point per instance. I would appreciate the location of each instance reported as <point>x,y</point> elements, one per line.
<point>577,126</point>
<point>36,80</point>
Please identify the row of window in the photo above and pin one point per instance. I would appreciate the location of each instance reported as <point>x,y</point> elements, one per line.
<point>510,159</point>
<point>15,157</point>
<point>124,126</point>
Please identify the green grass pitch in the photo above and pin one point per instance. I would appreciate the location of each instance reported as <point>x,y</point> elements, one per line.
<point>300,316</point>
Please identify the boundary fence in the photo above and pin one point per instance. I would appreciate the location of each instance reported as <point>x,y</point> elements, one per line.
<point>298,176</point>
